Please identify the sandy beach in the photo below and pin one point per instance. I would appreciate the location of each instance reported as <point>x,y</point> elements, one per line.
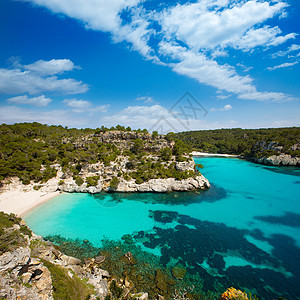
<point>19,199</point>
<point>196,153</point>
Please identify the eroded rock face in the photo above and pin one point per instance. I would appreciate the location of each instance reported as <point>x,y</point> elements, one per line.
<point>153,185</point>
<point>279,160</point>
<point>14,259</point>
<point>164,185</point>
<point>17,267</point>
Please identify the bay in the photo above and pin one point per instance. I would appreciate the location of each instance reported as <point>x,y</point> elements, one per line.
<point>242,232</point>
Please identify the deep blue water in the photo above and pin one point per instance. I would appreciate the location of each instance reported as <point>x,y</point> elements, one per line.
<point>243,232</point>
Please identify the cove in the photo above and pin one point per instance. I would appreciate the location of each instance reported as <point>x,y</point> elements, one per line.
<point>243,232</point>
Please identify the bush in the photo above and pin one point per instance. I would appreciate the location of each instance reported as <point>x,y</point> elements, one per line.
<point>92,180</point>
<point>114,183</point>
<point>65,287</point>
<point>79,181</point>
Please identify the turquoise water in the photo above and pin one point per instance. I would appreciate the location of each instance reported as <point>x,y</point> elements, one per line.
<point>243,232</point>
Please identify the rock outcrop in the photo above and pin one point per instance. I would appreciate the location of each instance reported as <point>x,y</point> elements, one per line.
<point>273,154</point>
<point>24,277</point>
<point>164,185</point>
<point>279,160</point>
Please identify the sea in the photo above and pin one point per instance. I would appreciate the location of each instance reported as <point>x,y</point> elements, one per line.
<point>243,232</point>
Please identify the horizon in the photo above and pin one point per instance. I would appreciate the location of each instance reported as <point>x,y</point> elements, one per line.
<point>166,66</point>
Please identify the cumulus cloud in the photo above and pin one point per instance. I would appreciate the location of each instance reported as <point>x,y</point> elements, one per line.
<point>225,108</point>
<point>208,24</point>
<point>282,66</point>
<point>187,37</point>
<point>81,106</point>
<point>51,67</point>
<point>36,79</point>
<point>35,101</point>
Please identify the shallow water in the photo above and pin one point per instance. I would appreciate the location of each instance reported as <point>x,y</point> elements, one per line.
<point>243,232</point>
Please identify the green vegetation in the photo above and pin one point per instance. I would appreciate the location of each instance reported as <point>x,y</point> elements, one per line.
<point>79,181</point>
<point>146,170</point>
<point>114,183</point>
<point>11,239</point>
<point>92,180</point>
<point>34,152</point>
<point>65,287</point>
<point>115,291</point>
<point>242,141</point>
<point>29,151</point>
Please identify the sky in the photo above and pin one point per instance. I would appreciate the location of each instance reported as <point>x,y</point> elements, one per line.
<point>170,65</point>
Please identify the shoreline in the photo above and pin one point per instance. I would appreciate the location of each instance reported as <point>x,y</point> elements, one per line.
<point>22,202</point>
<point>197,153</point>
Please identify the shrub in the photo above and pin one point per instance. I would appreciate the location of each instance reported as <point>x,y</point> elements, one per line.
<point>92,180</point>
<point>114,183</point>
<point>79,181</point>
<point>65,287</point>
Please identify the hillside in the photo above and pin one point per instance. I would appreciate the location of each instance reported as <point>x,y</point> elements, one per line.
<point>92,160</point>
<point>274,146</point>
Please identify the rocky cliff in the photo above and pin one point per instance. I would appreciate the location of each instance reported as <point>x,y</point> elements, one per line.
<point>53,158</point>
<point>102,176</point>
<point>273,154</point>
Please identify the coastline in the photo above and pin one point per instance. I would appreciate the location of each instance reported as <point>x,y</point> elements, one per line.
<point>197,153</point>
<point>21,202</point>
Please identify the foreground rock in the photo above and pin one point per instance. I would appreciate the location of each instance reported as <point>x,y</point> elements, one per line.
<point>24,277</point>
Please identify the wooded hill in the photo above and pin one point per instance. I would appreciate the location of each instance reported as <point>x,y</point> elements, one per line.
<point>245,142</point>
<point>30,151</point>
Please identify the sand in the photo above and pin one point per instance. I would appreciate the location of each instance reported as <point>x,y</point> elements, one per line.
<point>19,199</point>
<point>196,153</point>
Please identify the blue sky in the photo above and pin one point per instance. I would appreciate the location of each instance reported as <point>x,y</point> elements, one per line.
<point>87,63</point>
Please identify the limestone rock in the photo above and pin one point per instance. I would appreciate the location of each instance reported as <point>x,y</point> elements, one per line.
<point>12,260</point>
<point>69,260</point>
<point>99,259</point>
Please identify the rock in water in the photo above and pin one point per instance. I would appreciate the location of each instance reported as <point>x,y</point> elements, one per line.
<point>99,259</point>
<point>178,272</point>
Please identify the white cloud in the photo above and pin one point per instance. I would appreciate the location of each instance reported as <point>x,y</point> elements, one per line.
<point>292,48</point>
<point>225,108</point>
<point>13,114</point>
<point>267,96</point>
<point>18,80</point>
<point>208,24</point>
<point>51,67</point>
<point>265,36</point>
<point>35,101</point>
<point>145,99</point>
<point>157,117</point>
<point>284,65</point>
<point>81,106</point>
<point>205,31</point>
<point>244,68</point>
<point>95,14</point>
<point>204,70</point>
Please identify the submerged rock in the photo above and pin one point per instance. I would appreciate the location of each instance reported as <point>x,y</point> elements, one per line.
<point>178,272</point>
